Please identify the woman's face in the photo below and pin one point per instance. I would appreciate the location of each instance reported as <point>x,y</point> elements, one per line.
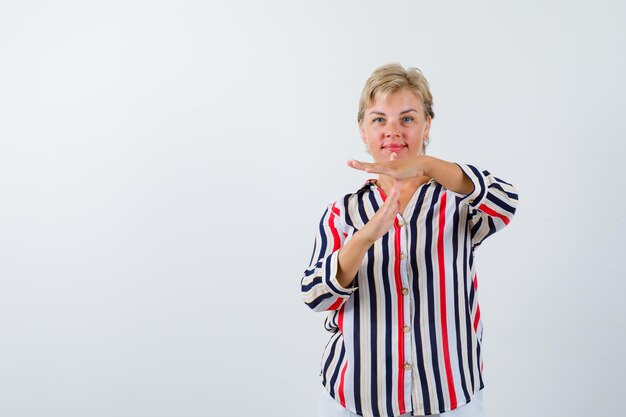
<point>395,124</point>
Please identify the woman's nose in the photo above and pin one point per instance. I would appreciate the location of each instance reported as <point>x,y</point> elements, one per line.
<point>392,131</point>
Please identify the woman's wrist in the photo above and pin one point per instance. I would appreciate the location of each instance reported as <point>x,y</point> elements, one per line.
<point>424,163</point>
<point>362,238</point>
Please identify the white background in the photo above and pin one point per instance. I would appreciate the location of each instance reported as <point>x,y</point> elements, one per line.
<point>164,164</point>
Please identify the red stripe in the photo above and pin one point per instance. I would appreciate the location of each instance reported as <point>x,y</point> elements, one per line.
<point>382,194</point>
<point>396,270</point>
<point>442,298</point>
<point>493,213</point>
<point>477,318</point>
<point>331,223</point>
<point>336,304</point>
<point>340,320</point>
<point>342,397</point>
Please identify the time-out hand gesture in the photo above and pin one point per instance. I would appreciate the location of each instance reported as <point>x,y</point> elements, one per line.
<point>352,253</point>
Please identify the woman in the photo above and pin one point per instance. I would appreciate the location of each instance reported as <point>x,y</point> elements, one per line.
<point>393,266</point>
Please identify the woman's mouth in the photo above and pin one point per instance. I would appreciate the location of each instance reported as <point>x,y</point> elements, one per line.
<point>394,148</point>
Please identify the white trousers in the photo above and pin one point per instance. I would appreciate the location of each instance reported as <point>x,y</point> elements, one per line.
<point>328,407</point>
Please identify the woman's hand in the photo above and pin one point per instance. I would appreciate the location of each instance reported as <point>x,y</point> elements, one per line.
<point>413,166</point>
<point>383,220</point>
<point>448,174</point>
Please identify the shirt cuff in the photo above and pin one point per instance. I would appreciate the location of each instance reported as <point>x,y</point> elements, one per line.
<point>476,197</point>
<point>332,265</point>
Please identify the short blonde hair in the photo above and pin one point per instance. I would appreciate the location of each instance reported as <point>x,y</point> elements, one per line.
<point>391,78</point>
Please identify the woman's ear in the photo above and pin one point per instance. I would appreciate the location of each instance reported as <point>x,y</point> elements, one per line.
<point>427,127</point>
<point>363,136</point>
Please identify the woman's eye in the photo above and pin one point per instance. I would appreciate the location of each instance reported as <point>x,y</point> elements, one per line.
<point>407,119</point>
<point>378,120</point>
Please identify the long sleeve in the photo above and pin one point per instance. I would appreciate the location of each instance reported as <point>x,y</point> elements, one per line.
<point>492,203</point>
<point>320,289</point>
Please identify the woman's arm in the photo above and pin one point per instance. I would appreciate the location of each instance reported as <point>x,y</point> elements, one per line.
<point>328,281</point>
<point>448,174</point>
<point>352,253</point>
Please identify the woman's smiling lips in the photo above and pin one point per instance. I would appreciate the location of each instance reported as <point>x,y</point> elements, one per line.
<point>394,147</point>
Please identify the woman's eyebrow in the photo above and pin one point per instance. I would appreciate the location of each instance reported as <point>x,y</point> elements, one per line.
<point>383,114</point>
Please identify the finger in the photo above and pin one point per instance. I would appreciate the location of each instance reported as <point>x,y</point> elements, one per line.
<point>394,194</point>
<point>397,184</point>
<point>363,166</point>
<point>371,167</point>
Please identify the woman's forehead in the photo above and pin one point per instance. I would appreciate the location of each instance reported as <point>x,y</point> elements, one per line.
<point>403,97</point>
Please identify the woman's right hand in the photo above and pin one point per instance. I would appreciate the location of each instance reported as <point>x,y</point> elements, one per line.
<point>383,220</point>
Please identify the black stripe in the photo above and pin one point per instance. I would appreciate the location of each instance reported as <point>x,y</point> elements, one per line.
<point>311,284</point>
<point>318,300</point>
<point>481,182</point>
<point>329,283</point>
<point>312,270</point>
<point>492,228</point>
<point>346,202</point>
<point>509,194</point>
<point>361,208</point>
<point>329,358</point>
<point>330,322</point>
<point>333,378</point>
<point>504,206</point>
<point>472,293</point>
<point>373,327</point>
<point>430,284</point>
<point>476,227</point>
<point>322,235</point>
<point>480,374</point>
<point>499,180</point>
<point>357,351</point>
<point>421,369</point>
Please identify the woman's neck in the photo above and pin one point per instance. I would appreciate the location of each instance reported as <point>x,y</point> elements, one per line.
<point>409,185</point>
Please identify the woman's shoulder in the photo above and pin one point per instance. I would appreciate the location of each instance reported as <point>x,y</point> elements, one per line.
<point>351,208</point>
<point>355,196</point>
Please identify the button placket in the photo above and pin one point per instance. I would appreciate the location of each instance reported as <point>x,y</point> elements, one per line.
<point>403,230</point>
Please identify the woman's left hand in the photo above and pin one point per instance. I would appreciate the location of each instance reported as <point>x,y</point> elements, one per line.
<point>413,166</point>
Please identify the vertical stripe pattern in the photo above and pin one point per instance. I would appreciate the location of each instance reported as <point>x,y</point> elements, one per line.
<point>406,335</point>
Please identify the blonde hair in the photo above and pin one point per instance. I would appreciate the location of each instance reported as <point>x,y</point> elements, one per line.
<point>391,78</point>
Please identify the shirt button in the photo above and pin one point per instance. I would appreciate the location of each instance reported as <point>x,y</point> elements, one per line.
<point>402,255</point>
<point>407,366</point>
<point>401,223</point>
<point>406,329</point>
<point>405,291</point>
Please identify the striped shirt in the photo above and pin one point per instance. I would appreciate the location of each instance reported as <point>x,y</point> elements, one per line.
<point>406,335</point>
